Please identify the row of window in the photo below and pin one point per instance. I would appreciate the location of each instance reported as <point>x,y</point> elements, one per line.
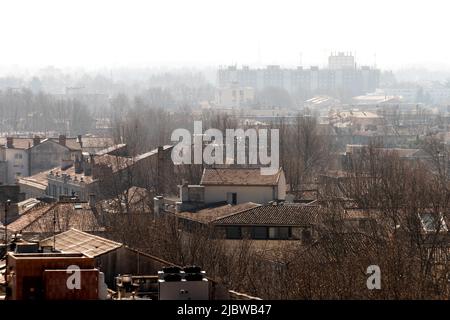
<point>58,191</point>
<point>260,233</point>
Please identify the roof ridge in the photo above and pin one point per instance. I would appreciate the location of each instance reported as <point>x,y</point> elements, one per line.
<point>238,212</point>
<point>30,212</point>
<point>91,235</point>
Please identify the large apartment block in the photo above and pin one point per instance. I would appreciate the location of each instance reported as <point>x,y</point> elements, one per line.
<point>342,78</point>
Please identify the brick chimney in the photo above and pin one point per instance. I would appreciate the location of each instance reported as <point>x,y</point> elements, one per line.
<point>62,139</point>
<point>36,140</point>
<point>78,165</point>
<point>160,170</point>
<point>92,200</point>
<point>80,141</point>
<point>9,142</point>
<point>87,165</point>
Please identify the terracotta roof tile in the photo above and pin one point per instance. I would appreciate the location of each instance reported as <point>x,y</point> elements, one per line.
<point>238,176</point>
<point>68,215</point>
<point>211,214</point>
<point>74,240</point>
<point>282,214</point>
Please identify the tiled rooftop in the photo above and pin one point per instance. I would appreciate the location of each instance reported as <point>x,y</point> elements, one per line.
<point>68,215</point>
<point>238,177</point>
<point>282,214</point>
<point>26,143</point>
<point>214,213</point>
<point>74,240</point>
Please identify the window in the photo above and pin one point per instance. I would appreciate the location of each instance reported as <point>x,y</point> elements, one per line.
<point>18,156</point>
<point>66,191</point>
<point>233,232</point>
<point>273,233</point>
<point>279,233</point>
<point>53,190</point>
<point>232,198</point>
<point>259,233</point>
<point>284,233</point>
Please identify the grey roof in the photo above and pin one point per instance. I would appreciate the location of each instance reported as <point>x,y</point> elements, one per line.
<point>110,149</point>
<point>77,241</point>
<point>277,215</point>
<point>151,153</point>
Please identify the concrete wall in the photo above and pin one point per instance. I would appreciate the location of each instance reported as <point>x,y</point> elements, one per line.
<point>17,163</point>
<point>32,191</point>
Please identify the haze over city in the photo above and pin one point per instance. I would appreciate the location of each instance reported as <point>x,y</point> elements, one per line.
<point>96,34</point>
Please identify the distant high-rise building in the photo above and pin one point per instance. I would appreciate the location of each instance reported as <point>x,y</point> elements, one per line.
<point>342,78</point>
<point>341,60</point>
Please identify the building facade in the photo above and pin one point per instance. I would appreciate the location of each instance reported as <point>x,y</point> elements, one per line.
<point>341,78</point>
<point>22,157</point>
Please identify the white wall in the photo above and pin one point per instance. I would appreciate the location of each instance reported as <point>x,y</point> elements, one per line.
<point>31,192</point>
<point>258,194</point>
<point>16,165</point>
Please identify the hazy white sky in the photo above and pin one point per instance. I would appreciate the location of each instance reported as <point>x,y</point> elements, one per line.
<point>97,33</point>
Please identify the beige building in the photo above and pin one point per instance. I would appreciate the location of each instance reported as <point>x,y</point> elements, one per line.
<point>232,185</point>
<point>235,96</point>
<point>240,185</point>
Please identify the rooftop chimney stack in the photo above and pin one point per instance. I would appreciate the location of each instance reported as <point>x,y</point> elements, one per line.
<point>36,140</point>
<point>80,141</point>
<point>78,165</point>
<point>92,200</point>
<point>9,142</point>
<point>160,169</point>
<point>88,163</point>
<point>62,139</point>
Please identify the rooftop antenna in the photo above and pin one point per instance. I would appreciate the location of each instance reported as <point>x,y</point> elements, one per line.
<point>259,53</point>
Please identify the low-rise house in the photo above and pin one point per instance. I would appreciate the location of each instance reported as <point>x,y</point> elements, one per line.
<point>233,185</point>
<point>22,157</point>
<point>112,258</point>
<point>258,222</point>
<point>109,174</point>
<point>106,174</point>
<point>72,180</point>
<point>45,219</point>
<point>239,185</point>
<point>35,186</point>
<point>271,222</point>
